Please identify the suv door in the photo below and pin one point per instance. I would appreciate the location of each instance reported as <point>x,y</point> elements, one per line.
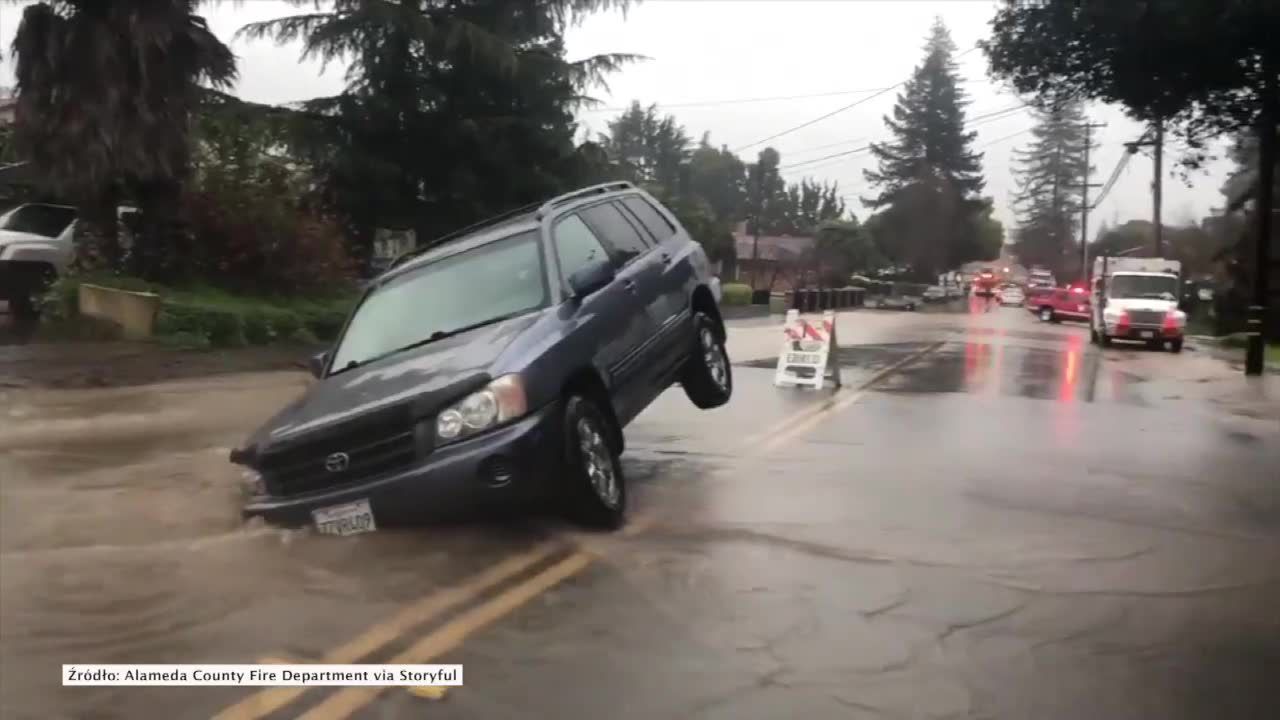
<point>675,256</point>
<point>613,322</point>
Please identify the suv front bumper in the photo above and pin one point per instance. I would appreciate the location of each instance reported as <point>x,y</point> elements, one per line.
<point>512,463</point>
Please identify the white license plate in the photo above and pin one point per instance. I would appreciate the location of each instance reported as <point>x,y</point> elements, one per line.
<point>349,519</point>
<point>1148,334</point>
<point>803,358</point>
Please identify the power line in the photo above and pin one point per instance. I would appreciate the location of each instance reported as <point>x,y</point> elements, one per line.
<point>837,111</point>
<point>1010,136</point>
<point>985,118</point>
<point>739,101</point>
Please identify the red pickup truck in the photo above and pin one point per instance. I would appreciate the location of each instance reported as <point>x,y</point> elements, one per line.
<point>1057,304</point>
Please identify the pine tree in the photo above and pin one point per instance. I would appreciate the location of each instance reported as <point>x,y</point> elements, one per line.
<point>929,177</point>
<point>1050,172</point>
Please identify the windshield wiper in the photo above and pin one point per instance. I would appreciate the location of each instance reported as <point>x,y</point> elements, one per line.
<point>437,335</point>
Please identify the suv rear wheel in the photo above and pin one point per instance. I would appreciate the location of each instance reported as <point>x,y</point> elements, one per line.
<point>707,378</point>
<point>597,492</point>
<point>1046,314</point>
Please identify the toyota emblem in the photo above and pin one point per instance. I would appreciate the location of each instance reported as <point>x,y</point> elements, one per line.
<point>337,462</point>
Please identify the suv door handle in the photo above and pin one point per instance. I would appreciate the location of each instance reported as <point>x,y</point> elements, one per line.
<point>630,285</point>
<point>666,258</point>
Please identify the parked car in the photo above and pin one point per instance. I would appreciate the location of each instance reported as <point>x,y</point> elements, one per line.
<point>35,245</point>
<point>1012,295</point>
<point>955,291</point>
<point>896,302</point>
<point>1061,304</point>
<point>498,364</point>
<point>934,293</point>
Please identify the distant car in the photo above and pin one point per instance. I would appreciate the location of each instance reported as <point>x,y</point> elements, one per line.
<point>1012,296</point>
<point>495,366</point>
<point>35,246</point>
<point>897,302</point>
<point>1061,304</point>
<point>933,293</point>
<point>955,291</point>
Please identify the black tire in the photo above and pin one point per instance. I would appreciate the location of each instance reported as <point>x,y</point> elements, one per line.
<point>590,458</point>
<point>1093,334</point>
<point>1175,346</point>
<point>708,377</point>
<point>1104,339</point>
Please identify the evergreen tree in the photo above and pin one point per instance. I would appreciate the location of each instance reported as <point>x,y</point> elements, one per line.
<point>647,148</point>
<point>1050,172</point>
<point>929,179</point>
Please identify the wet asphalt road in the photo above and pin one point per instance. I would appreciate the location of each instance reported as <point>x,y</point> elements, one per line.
<point>1008,523</point>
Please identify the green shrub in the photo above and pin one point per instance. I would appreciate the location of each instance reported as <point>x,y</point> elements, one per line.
<point>303,336</point>
<point>325,322</point>
<point>221,328</point>
<point>735,294</point>
<point>257,328</point>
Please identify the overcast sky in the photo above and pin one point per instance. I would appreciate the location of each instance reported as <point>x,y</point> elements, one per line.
<point>707,56</point>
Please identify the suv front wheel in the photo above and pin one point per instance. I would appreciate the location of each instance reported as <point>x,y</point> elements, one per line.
<point>708,378</point>
<point>597,492</point>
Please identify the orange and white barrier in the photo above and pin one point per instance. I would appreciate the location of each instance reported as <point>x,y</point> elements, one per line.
<point>807,356</point>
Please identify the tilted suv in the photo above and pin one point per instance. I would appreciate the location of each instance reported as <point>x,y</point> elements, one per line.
<point>501,362</point>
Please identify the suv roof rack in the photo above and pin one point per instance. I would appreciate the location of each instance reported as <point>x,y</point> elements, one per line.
<point>586,192</point>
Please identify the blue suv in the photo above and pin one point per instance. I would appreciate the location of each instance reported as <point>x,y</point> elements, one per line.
<point>499,363</point>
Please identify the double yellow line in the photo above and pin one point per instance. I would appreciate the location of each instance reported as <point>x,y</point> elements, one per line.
<point>345,702</point>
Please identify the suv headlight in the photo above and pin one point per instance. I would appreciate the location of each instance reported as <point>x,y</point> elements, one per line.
<point>499,402</point>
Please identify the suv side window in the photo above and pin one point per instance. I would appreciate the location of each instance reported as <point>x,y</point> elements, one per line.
<point>576,247</point>
<point>655,222</point>
<point>622,237</point>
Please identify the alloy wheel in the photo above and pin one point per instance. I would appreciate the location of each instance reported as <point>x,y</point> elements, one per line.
<point>713,356</point>
<point>597,462</point>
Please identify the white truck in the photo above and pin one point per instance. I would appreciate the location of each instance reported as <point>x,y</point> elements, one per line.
<point>1137,299</point>
<point>36,246</point>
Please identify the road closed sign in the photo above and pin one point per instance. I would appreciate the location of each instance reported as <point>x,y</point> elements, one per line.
<point>807,355</point>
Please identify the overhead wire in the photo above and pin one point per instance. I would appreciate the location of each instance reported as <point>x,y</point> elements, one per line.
<point>739,101</point>
<point>835,112</point>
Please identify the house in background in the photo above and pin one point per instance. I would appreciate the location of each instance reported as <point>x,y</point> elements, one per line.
<point>779,266</point>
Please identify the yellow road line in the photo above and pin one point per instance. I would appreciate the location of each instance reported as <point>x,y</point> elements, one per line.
<point>267,701</point>
<point>347,701</point>
<point>809,422</point>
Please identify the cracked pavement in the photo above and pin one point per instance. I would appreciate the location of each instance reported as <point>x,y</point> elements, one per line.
<point>1016,525</point>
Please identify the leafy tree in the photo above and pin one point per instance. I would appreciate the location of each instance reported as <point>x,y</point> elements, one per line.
<point>105,95</point>
<point>719,177</point>
<point>810,203</point>
<point>767,201</point>
<point>452,111</point>
<point>929,178</point>
<point>1050,171</point>
<point>646,147</point>
<point>1202,67</point>
<point>842,247</point>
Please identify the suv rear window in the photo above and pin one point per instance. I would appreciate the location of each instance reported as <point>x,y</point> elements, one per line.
<point>45,220</point>
<point>609,222</point>
<point>655,222</point>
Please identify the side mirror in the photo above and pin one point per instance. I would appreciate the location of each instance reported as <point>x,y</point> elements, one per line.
<point>317,362</point>
<point>591,278</point>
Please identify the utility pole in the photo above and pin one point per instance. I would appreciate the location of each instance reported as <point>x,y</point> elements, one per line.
<point>1157,182</point>
<point>1084,201</point>
<point>1157,186</point>
<point>1255,354</point>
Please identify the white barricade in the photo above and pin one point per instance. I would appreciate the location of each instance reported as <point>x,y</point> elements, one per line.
<point>810,348</point>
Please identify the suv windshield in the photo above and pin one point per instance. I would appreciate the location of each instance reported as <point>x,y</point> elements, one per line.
<point>1151,287</point>
<point>45,220</point>
<point>476,287</point>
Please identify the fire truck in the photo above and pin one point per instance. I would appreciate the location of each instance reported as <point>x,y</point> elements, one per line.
<point>985,283</point>
<point>1137,299</point>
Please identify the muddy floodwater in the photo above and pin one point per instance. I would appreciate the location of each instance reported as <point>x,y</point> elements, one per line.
<point>995,519</point>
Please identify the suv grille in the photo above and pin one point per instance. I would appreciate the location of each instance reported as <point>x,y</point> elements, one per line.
<point>1146,317</point>
<point>370,451</point>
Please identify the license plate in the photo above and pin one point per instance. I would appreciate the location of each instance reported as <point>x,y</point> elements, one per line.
<point>349,519</point>
<point>1148,334</point>
<point>803,358</point>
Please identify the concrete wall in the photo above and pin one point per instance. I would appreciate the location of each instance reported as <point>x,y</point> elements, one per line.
<point>133,312</point>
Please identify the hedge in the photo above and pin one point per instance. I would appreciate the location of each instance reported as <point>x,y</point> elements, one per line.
<point>735,294</point>
<point>223,327</point>
<point>209,318</point>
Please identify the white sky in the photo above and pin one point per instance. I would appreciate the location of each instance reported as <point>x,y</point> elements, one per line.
<point>714,50</point>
